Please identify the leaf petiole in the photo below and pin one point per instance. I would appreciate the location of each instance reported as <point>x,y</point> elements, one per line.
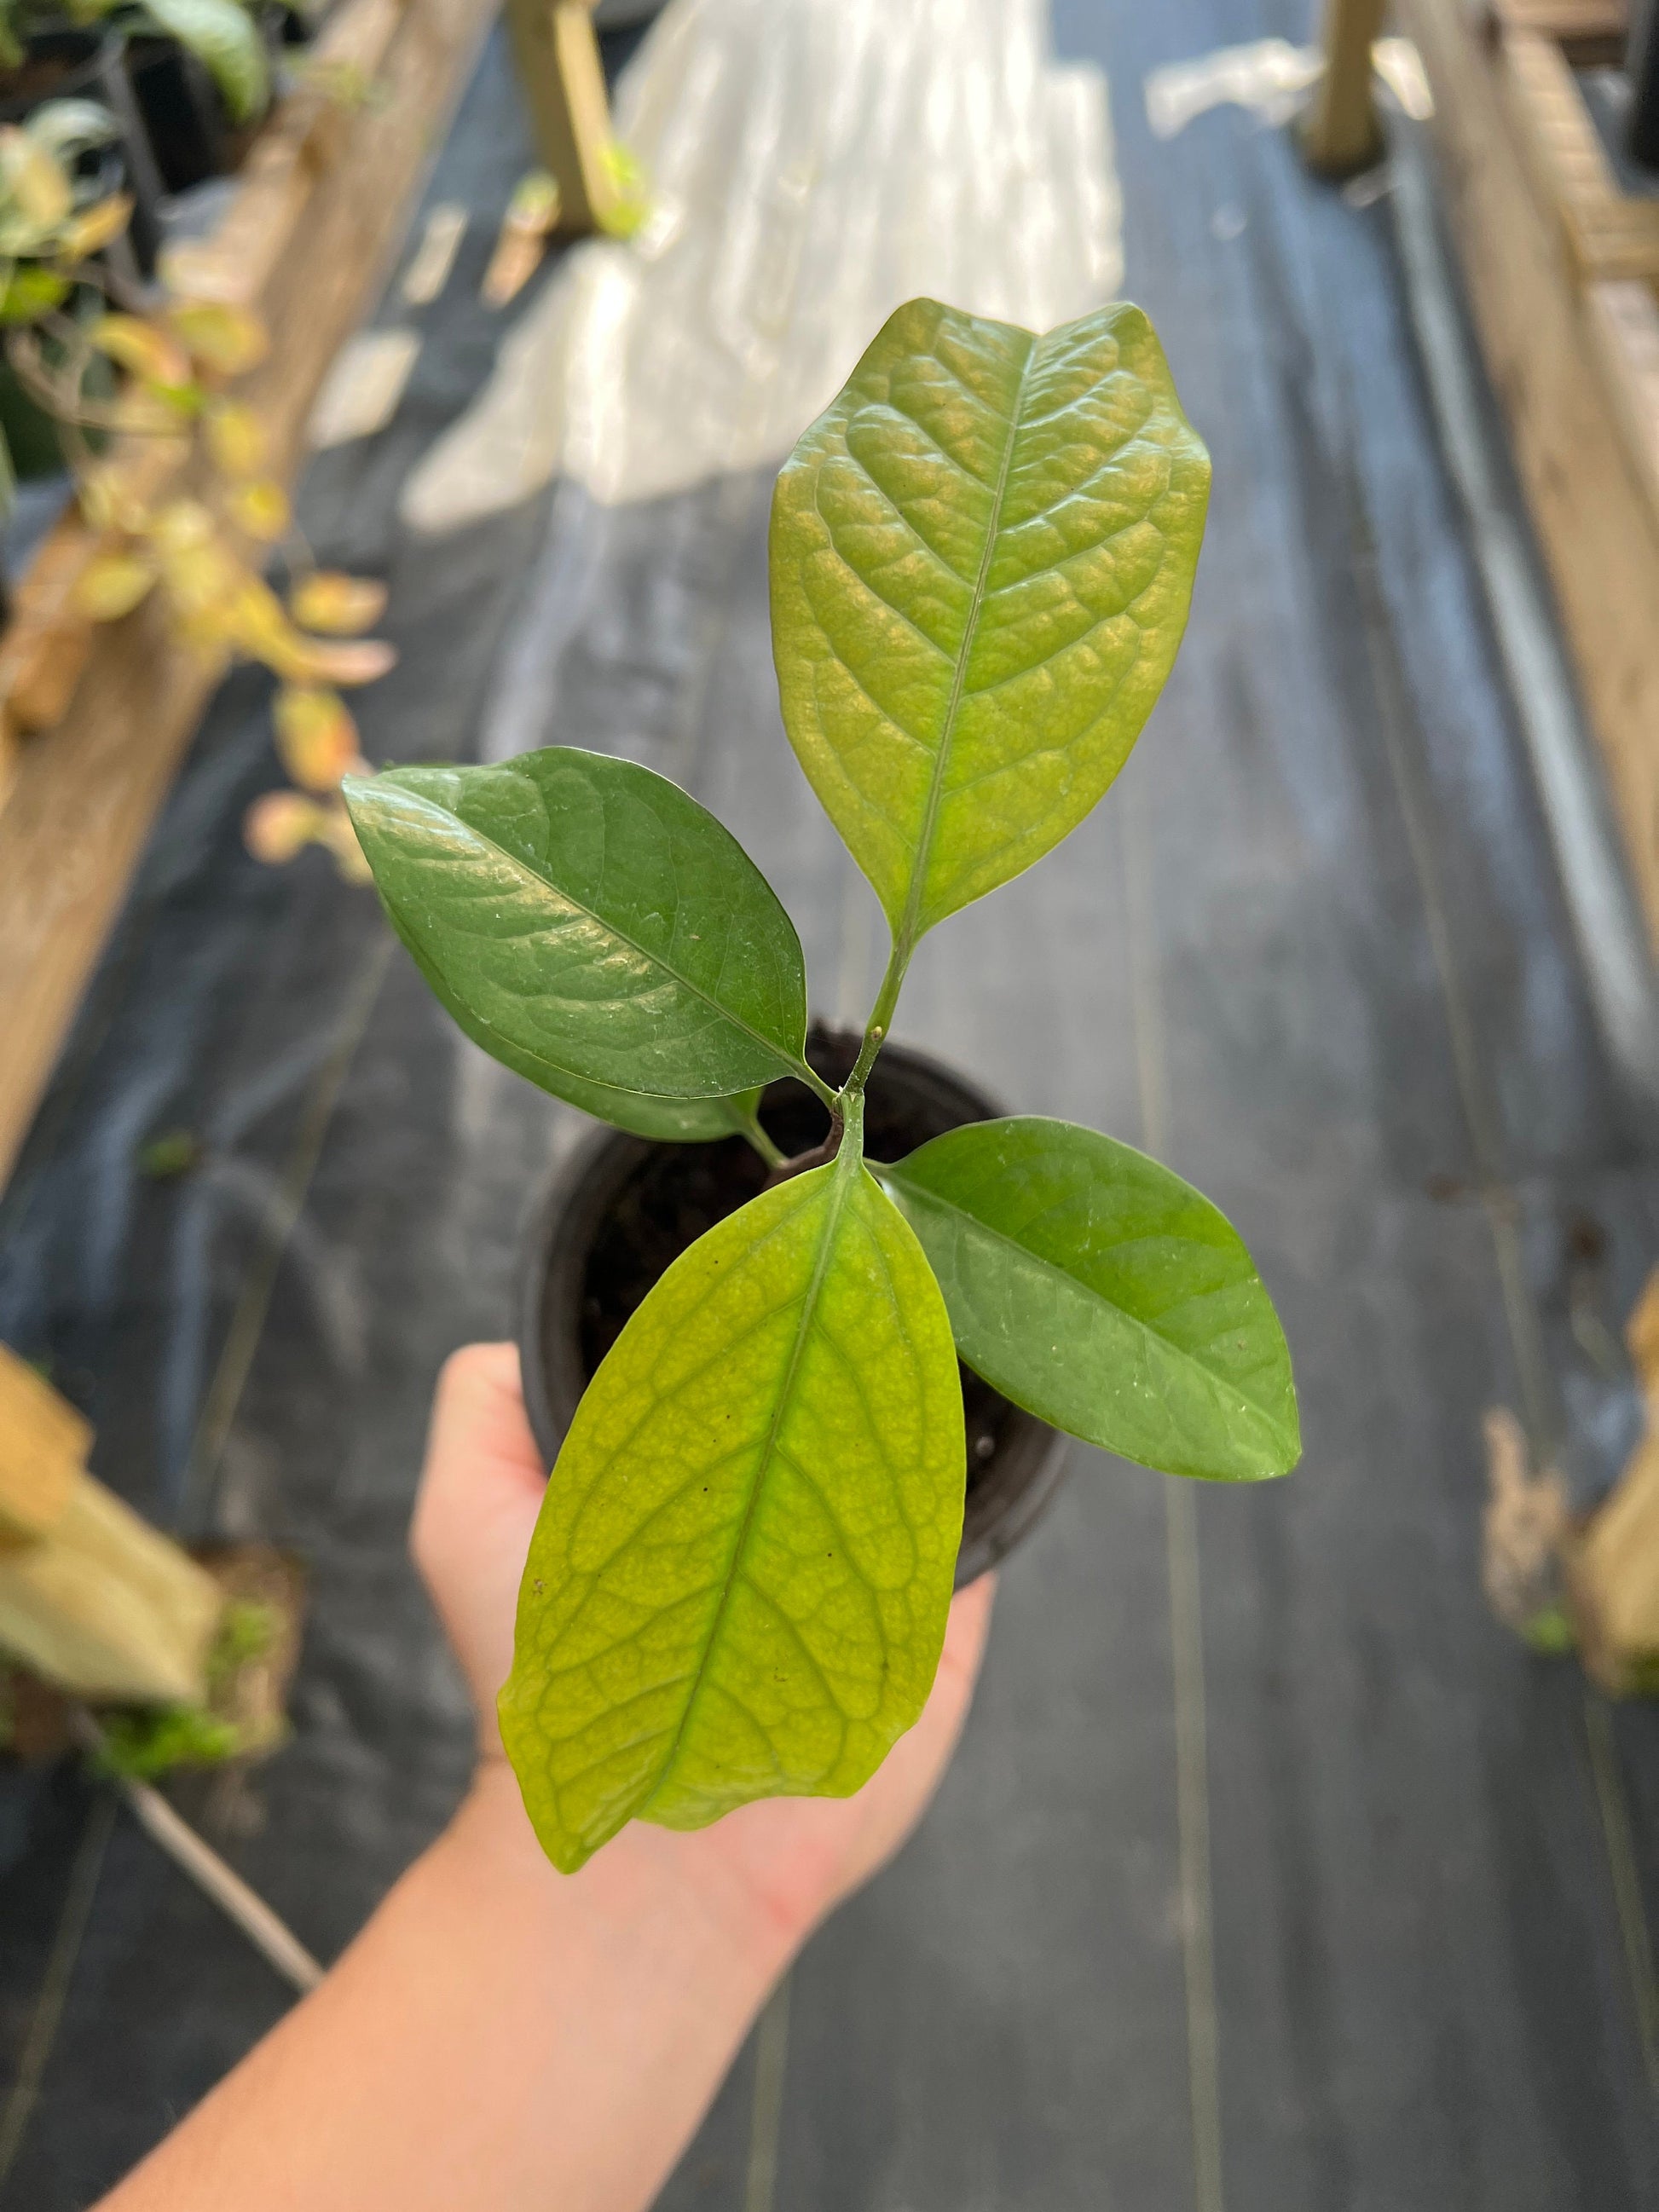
<point>815,1083</point>
<point>749,1125</point>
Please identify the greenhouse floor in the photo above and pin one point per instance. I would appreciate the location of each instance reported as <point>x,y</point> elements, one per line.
<point>1272,1871</point>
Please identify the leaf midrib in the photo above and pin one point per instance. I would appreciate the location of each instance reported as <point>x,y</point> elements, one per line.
<point>906,933</point>
<point>737,1021</point>
<point>1000,1237</point>
<point>841,1184</point>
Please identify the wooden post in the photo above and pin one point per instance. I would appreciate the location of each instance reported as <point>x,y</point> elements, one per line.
<point>91,1596</point>
<point>557,56</point>
<point>1341,134</point>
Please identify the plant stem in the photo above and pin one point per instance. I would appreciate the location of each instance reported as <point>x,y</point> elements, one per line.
<point>881,1019</point>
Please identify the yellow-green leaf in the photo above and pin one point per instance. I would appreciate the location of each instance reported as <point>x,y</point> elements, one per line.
<point>739,1583</point>
<point>180,524</point>
<point>344,660</point>
<point>112,584</point>
<point>316,736</point>
<point>282,824</point>
<point>236,439</point>
<point>534,206</point>
<point>260,510</point>
<point>223,337</point>
<point>143,347</point>
<point>981,558</point>
<point>36,195</point>
<point>31,291</point>
<point>338,605</point>
<point>94,228</point>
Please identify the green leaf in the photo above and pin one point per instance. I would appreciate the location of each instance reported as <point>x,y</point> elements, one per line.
<point>982,559</point>
<point>663,1120</point>
<point>738,1584</point>
<point>226,40</point>
<point>66,127</point>
<point>1101,1292</point>
<point>588,924</point>
<point>31,291</point>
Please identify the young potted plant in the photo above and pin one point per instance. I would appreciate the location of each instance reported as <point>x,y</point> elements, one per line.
<point>981,558</point>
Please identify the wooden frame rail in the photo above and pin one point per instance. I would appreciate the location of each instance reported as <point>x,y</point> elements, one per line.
<point>1561,267</point>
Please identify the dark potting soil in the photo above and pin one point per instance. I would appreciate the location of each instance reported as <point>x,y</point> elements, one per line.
<point>681,1190</point>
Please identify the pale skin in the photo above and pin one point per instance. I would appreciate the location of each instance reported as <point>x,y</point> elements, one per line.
<point>501,2038</point>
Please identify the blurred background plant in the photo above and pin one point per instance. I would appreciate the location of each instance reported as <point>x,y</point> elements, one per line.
<point>224,35</point>
<point>97,360</point>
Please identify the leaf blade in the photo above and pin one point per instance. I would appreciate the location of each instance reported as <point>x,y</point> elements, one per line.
<point>1099,1290</point>
<point>739,1581</point>
<point>981,558</point>
<point>593,917</point>
<point>662,1120</point>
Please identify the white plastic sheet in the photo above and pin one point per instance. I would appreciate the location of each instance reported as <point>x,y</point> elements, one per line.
<point>814,163</point>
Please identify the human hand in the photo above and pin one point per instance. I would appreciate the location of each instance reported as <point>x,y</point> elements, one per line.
<point>791,1859</point>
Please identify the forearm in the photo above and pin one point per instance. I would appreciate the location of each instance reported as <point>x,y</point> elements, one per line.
<point>498,2036</point>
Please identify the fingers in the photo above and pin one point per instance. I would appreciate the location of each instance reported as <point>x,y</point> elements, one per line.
<point>482,1461</point>
<point>934,1735</point>
<point>480,1397</point>
<point>969,1626</point>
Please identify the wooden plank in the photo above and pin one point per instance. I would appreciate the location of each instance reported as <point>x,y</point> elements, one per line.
<point>557,57</point>
<point>44,1443</point>
<point>1581,413</point>
<point>1592,31</point>
<point>1341,134</point>
<point>305,241</point>
<point>1610,234</point>
<point>1622,322</point>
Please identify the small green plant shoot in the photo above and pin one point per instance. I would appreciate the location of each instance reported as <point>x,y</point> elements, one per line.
<point>982,559</point>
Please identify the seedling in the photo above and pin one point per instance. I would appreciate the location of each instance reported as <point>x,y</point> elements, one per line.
<point>981,558</point>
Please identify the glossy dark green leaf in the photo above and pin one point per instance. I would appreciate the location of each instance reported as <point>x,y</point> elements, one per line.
<point>589,924</point>
<point>982,559</point>
<point>1103,1294</point>
<point>739,1583</point>
<point>664,1121</point>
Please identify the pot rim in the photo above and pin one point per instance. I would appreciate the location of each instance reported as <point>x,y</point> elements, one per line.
<point>574,1196</point>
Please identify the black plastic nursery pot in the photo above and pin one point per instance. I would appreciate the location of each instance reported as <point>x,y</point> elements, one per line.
<point>188,127</point>
<point>619,1210</point>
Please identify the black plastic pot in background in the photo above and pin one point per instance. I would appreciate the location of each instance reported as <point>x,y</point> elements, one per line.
<point>285,26</point>
<point>91,64</point>
<point>185,117</point>
<point>1642,63</point>
<point>619,1210</point>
